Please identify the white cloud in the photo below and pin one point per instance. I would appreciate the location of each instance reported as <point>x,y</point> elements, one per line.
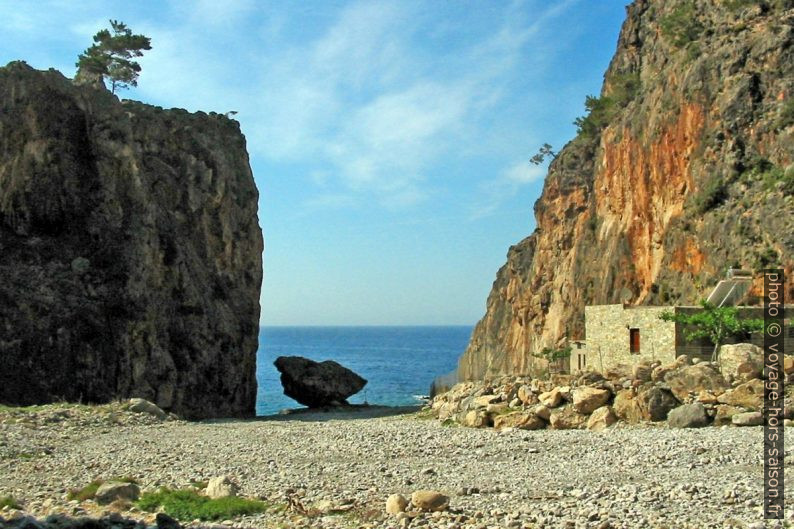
<point>495,192</point>
<point>524,173</point>
<point>374,111</point>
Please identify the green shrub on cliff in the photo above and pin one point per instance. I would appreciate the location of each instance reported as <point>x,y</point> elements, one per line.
<point>681,26</point>
<point>711,195</point>
<point>622,88</point>
<point>786,115</point>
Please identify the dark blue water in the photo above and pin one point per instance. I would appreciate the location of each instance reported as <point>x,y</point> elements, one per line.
<point>398,362</point>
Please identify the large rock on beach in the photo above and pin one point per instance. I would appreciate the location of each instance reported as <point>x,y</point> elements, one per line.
<point>748,395</point>
<point>317,384</point>
<point>587,399</point>
<point>694,379</point>
<point>688,416</point>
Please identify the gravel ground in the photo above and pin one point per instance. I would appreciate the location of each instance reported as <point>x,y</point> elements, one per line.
<point>625,477</point>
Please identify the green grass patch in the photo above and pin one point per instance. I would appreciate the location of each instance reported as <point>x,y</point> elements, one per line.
<point>450,423</point>
<point>422,415</point>
<point>86,493</point>
<point>187,504</point>
<point>10,502</point>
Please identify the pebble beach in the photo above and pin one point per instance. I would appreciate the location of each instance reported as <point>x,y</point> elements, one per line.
<point>336,469</point>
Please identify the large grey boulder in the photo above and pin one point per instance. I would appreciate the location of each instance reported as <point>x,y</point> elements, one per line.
<point>656,403</point>
<point>317,384</point>
<point>116,490</point>
<point>688,416</point>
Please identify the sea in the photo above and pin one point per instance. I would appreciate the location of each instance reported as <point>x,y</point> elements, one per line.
<point>399,363</point>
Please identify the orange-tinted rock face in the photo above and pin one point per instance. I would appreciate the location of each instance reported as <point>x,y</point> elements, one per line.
<point>685,180</point>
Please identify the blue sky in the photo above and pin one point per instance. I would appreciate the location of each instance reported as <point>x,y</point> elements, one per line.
<point>389,139</point>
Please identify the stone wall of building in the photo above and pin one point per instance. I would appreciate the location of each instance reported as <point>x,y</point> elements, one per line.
<point>608,329</point>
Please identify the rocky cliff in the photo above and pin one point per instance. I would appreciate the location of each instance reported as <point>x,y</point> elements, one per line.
<point>130,251</point>
<point>681,168</point>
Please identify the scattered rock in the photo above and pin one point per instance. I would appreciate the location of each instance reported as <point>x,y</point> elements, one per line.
<point>475,419</point>
<point>396,503</point>
<point>588,399</point>
<point>741,361</point>
<point>551,399</point>
<point>542,411</point>
<point>221,487</point>
<point>747,395</point>
<point>567,419</point>
<point>519,419</point>
<point>627,407</point>
<point>642,372</point>
<point>601,419</point>
<point>164,521</point>
<point>725,413</point>
<point>749,418</point>
<point>116,490</point>
<point>694,379</point>
<point>527,396</point>
<point>655,403</point>
<point>429,500</point>
<point>688,416</point>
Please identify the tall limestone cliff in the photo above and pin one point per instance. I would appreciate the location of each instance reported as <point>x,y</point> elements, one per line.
<point>682,168</point>
<point>130,251</point>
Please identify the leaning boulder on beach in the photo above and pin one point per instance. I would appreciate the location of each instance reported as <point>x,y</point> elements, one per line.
<point>317,384</point>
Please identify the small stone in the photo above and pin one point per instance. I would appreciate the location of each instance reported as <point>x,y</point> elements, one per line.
<point>429,500</point>
<point>220,487</point>
<point>551,399</point>
<point>601,419</point>
<point>116,490</point>
<point>750,418</point>
<point>396,504</point>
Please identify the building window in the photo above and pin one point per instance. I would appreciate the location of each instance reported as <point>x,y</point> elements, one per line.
<point>634,341</point>
<point>582,361</point>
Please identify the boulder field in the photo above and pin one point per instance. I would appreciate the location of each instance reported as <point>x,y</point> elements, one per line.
<point>687,393</point>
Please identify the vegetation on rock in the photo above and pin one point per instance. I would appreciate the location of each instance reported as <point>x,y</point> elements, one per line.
<point>601,111</point>
<point>681,26</point>
<point>110,57</point>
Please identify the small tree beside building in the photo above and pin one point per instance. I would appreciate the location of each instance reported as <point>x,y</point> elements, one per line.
<point>714,323</point>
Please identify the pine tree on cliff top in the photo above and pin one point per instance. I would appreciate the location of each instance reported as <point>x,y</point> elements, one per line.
<point>110,57</point>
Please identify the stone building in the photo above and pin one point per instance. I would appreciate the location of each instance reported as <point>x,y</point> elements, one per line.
<point>627,335</point>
